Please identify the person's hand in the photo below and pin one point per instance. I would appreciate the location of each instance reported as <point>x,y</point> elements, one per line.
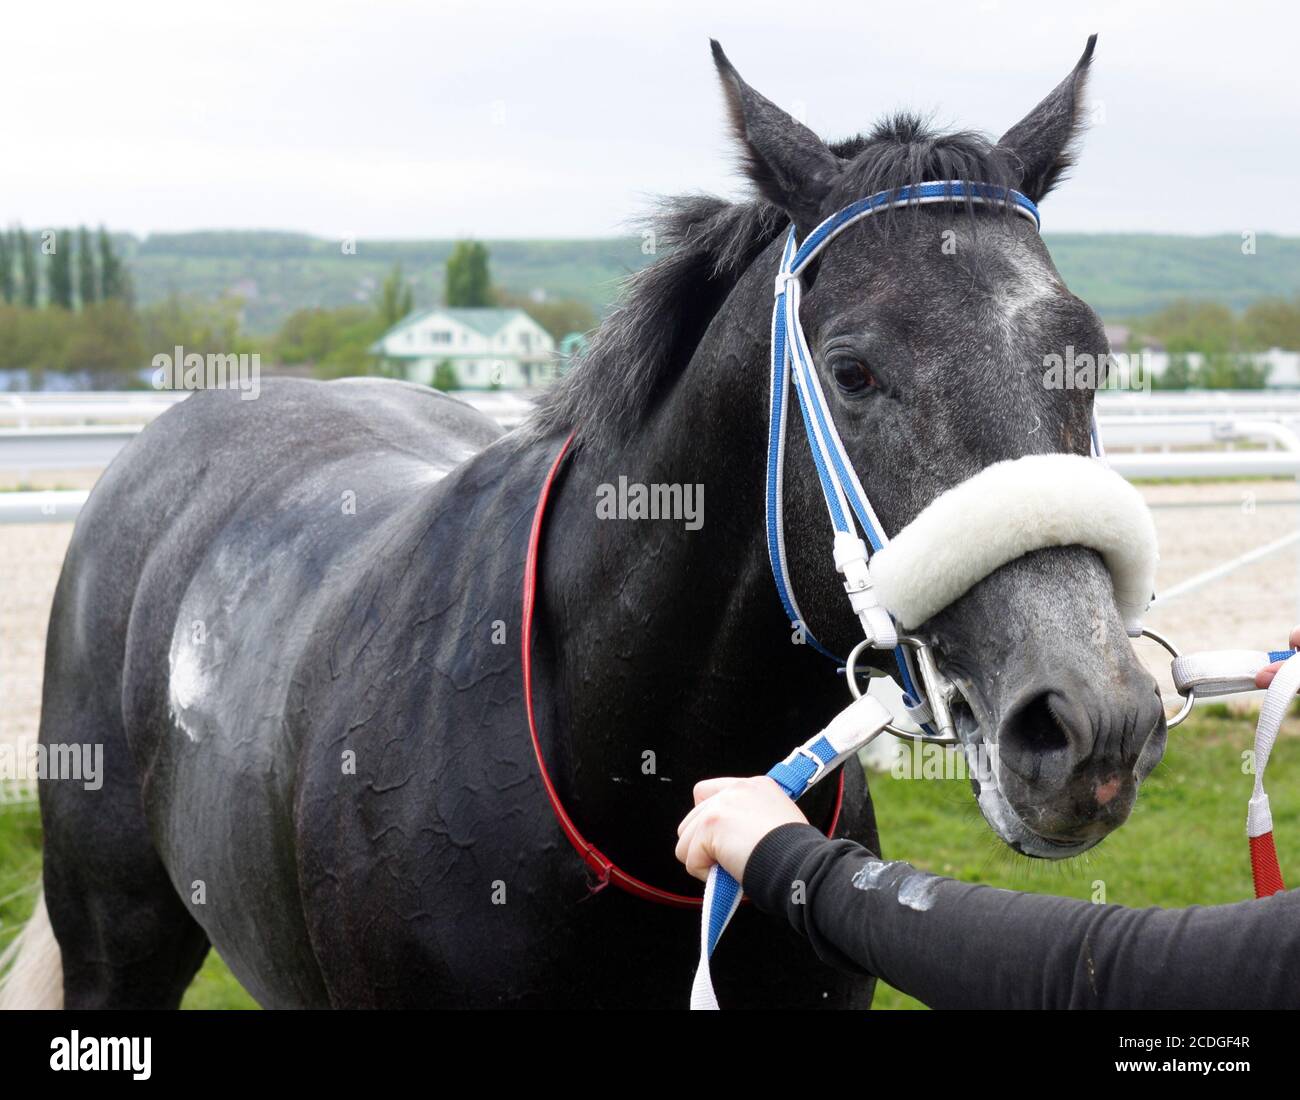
<point>730,817</point>
<point>1264,676</point>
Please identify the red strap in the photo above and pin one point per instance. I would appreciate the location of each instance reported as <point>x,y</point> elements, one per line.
<point>1264,866</point>
<point>604,868</point>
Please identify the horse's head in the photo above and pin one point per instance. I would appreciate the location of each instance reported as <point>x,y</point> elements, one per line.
<point>933,329</point>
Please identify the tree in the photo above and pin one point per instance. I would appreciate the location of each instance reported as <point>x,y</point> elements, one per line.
<point>395,298</point>
<point>8,284</point>
<point>1177,374</point>
<point>105,341</point>
<point>468,280</point>
<point>1206,327</point>
<point>1231,372</point>
<point>334,342</point>
<point>60,271</point>
<point>27,269</point>
<point>114,280</point>
<point>33,340</point>
<point>1218,371</point>
<point>87,283</point>
<point>444,377</point>
<point>193,324</point>
<point>1272,323</point>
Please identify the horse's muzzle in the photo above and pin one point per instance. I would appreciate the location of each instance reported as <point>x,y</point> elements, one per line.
<point>1072,753</point>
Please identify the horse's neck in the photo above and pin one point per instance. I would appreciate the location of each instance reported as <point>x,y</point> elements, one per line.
<point>672,651</point>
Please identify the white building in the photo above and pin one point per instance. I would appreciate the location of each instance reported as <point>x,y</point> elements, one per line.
<point>485,347</point>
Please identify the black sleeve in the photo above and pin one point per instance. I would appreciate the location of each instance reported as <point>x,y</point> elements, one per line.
<point>951,944</point>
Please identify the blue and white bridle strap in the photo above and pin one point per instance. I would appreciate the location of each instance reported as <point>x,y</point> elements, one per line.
<point>846,500</point>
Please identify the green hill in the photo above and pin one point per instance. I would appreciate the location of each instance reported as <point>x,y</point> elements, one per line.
<point>1121,275</point>
<point>277,273</point>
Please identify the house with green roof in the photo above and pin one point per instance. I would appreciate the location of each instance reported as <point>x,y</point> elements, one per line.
<point>485,348</point>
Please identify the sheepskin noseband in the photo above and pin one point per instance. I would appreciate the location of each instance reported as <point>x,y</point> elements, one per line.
<point>1007,510</point>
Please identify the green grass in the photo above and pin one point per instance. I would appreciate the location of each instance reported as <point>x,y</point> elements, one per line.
<point>20,869</point>
<point>215,987</point>
<point>1185,843</point>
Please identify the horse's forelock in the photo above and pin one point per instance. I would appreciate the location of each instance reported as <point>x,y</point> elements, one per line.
<point>903,150</point>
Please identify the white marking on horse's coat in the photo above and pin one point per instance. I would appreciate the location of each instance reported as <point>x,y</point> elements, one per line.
<point>1033,284</point>
<point>187,681</point>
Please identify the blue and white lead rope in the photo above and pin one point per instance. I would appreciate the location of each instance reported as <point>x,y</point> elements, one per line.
<point>852,728</point>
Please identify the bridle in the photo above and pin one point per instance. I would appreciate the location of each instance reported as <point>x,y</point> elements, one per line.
<point>846,500</point>
<point>879,583</point>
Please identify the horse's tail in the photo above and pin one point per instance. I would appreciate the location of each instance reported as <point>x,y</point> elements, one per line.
<point>31,967</point>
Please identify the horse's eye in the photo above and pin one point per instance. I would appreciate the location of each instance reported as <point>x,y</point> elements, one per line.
<point>853,375</point>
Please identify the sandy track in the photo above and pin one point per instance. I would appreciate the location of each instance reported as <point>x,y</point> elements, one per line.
<point>30,558</point>
<point>1202,526</point>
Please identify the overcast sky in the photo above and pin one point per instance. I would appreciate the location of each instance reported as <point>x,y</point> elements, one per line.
<point>558,118</point>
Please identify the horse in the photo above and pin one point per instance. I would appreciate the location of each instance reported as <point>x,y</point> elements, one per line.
<point>295,624</point>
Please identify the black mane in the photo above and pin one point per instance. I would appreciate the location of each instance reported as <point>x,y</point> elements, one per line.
<point>640,349</point>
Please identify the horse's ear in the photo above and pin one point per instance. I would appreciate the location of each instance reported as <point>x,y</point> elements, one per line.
<point>1041,144</point>
<point>788,163</point>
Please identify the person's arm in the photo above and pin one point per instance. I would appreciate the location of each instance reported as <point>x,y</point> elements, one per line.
<point>955,945</point>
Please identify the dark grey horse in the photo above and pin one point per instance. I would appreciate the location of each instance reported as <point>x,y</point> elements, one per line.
<point>293,623</point>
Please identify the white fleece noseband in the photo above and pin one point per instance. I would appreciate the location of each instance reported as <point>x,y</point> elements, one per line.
<point>1004,512</point>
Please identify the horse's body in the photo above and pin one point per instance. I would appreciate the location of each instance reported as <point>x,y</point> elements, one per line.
<point>294,623</point>
<point>300,578</point>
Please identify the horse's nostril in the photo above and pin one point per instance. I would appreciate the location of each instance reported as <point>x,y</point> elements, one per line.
<point>1036,727</point>
<point>1048,734</point>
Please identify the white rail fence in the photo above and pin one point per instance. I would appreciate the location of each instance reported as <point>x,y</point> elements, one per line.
<point>1165,436</point>
<point>50,432</point>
